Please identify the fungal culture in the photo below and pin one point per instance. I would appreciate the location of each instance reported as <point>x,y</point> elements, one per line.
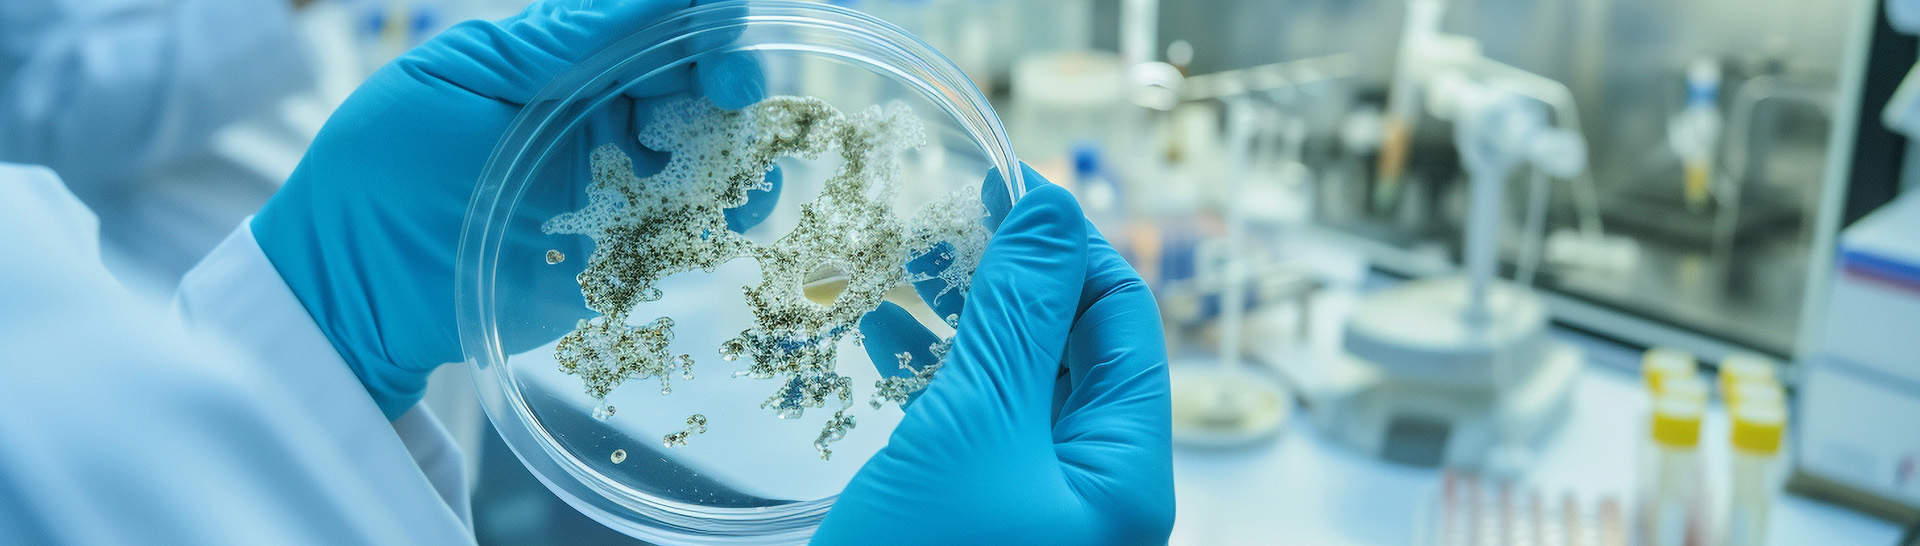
<point>669,260</point>
<point>646,229</point>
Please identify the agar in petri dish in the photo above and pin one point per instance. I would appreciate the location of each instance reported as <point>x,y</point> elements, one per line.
<point>645,229</point>
<point>634,230</point>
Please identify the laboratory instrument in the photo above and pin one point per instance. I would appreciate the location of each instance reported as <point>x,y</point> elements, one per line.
<point>1721,136</point>
<point>1226,404</point>
<point>1854,444</point>
<point>1463,371</point>
<point>1229,402</point>
<point>699,436</point>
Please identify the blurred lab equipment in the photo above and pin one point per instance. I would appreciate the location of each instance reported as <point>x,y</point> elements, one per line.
<point>1695,133</point>
<point>1672,503</point>
<point>1226,401</point>
<point>1065,97</point>
<point>1704,476</point>
<point>1862,377</point>
<point>1688,491</point>
<point>1860,370</point>
<point>1759,428</point>
<point>127,101</point>
<point>1475,510</point>
<point>1717,133</point>
<point>1464,373</point>
<point>389,28</point>
<point>1226,404</point>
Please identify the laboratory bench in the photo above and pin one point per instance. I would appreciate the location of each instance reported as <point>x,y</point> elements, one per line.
<point>1304,486</point>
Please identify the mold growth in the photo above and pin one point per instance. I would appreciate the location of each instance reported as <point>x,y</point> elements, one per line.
<point>696,424</point>
<point>646,229</point>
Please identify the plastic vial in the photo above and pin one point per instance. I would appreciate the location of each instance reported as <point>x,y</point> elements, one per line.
<point>1740,368</point>
<point>1660,363</point>
<point>1754,392</point>
<point>1670,499</point>
<point>1759,423</point>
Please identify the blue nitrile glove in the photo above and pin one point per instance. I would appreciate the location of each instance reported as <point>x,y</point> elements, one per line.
<point>1002,447</point>
<point>366,229</point>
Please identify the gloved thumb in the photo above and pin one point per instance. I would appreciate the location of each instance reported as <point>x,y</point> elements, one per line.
<point>985,420</point>
<point>1006,354</point>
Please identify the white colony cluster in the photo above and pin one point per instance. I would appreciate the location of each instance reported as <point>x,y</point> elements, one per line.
<point>646,229</point>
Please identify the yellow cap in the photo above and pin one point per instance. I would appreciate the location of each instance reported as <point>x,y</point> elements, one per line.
<point>1758,427</point>
<point>1739,368</point>
<point>1660,363</point>
<point>1676,421</point>
<point>1744,392</point>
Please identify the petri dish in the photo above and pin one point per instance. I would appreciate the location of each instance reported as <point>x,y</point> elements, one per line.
<point>668,257</point>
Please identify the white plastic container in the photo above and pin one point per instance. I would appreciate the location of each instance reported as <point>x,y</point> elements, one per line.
<point>1671,501</point>
<point>1759,425</point>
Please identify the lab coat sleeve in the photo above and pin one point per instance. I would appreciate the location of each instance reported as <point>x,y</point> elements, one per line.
<point>100,89</point>
<point>119,425</point>
<point>236,292</point>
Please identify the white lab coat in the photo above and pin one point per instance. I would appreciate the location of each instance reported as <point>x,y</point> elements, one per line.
<point>107,88</point>
<point>231,421</point>
<point>123,98</point>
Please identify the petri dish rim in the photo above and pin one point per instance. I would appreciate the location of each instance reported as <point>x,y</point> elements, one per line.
<point>556,111</point>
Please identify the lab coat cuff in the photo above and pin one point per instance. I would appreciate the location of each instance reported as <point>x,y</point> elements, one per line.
<point>236,293</point>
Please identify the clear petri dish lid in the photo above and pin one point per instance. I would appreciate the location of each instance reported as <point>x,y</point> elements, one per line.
<point>671,255</point>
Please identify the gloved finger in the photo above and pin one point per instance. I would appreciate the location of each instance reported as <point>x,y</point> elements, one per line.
<point>890,331</point>
<point>553,304</point>
<point>1063,384</point>
<point>995,195</point>
<point>732,80</point>
<point>1011,337</point>
<point>1114,429</point>
<point>933,290</point>
<point>760,203</point>
<point>705,59</point>
<point>927,267</point>
<point>703,56</point>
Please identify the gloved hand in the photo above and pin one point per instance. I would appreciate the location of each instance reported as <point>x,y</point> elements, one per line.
<point>1002,448</point>
<point>365,231</point>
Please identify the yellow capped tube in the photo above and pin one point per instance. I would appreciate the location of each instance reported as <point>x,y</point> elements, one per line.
<point>1759,432</point>
<point>1660,363</point>
<point>1740,368</point>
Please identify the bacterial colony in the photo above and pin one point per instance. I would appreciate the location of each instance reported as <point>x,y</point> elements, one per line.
<point>645,229</point>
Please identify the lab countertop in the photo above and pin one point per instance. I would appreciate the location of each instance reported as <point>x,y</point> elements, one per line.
<point>1306,487</point>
